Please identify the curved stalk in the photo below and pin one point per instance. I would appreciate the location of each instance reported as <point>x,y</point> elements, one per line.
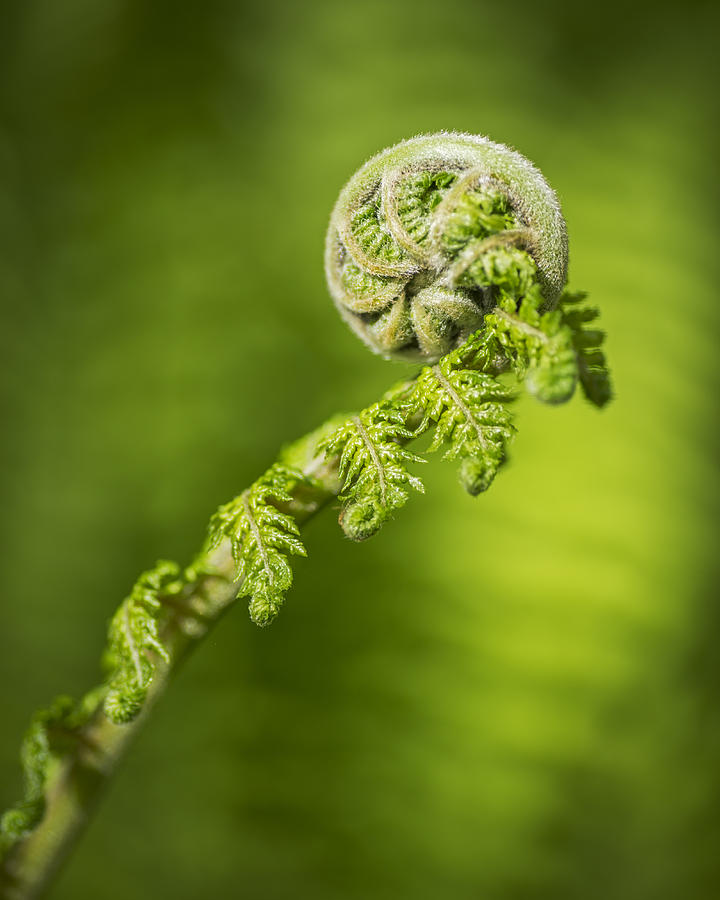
<point>76,782</point>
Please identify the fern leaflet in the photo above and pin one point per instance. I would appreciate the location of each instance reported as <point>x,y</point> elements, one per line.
<point>52,732</point>
<point>261,538</point>
<point>373,466</point>
<point>468,409</point>
<point>592,366</point>
<point>539,345</point>
<point>35,758</point>
<point>133,641</point>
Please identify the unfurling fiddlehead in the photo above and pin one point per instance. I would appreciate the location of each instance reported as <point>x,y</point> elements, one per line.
<point>447,249</point>
<point>411,232</point>
<point>452,250</point>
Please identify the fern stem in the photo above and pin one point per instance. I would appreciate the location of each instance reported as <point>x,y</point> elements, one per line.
<point>75,779</point>
<point>476,202</point>
<point>76,783</point>
<point>131,644</point>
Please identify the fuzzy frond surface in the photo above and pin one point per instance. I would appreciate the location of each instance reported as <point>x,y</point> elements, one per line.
<point>414,219</point>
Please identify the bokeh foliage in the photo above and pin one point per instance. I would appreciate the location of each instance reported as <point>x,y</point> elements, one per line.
<point>514,696</point>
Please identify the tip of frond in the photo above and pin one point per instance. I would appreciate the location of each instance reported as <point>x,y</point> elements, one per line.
<point>552,384</point>
<point>362,520</point>
<point>597,387</point>
<point>123,704</point>
<point>264,608</point>
<point>476,474</point>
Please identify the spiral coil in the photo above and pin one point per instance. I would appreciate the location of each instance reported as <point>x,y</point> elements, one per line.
<point>410,232</point>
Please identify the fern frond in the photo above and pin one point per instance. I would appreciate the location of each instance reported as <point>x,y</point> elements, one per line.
<point>592,365</point>
<point>262,537</point>
<point>373,466</point>
<point>133,641</point>
<point>539,345</point>
<point>468,409</point>
<point>449,250</point>
<point>51,732</point>
<point>472,215</point>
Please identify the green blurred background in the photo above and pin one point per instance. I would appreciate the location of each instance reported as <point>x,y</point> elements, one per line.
<point>514,697</point>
